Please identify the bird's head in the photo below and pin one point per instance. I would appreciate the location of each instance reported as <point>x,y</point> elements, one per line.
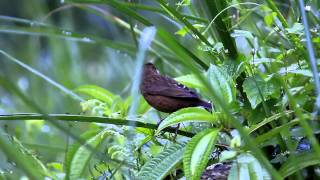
<point>149,69</point>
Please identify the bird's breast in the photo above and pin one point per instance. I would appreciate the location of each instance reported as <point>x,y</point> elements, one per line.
<point>168,104</point>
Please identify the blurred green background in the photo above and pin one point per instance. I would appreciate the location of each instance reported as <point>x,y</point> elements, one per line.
<point>64,60</point>
<point>76,46</point>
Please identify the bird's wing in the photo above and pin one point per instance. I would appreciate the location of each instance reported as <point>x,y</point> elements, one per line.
<point>165,86</point>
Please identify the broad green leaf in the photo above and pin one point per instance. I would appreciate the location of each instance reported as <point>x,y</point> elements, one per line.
<point>194,114</point>
<point>222,84</point>
<point>191,81</point>
<point>227,154</point>
<point>117,152</point>
<point>73,149</point>
<point>256,89</point>
<point>161,165</point>
<point>80,155</point>
<point>247,167</point>
<point>297,162</point>
<point>97,93</point>
<point>198,150</point>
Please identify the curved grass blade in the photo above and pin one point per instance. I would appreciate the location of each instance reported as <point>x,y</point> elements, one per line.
<point>268,120</point>
<point>157,10</point>
<point>222,29</point>
<point>68,35</point>
<point>298,162</point>
<point>271,134</point>
<point>177,15</point>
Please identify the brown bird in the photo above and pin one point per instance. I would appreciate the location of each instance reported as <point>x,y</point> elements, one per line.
<point>165,94</point>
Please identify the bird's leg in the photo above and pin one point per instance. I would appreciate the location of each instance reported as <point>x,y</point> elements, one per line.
<point>176,132</point>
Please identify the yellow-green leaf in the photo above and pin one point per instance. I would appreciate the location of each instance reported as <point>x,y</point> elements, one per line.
<point>194,114</point>
<point>197,153</point>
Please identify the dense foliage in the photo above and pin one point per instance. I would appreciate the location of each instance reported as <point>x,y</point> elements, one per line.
<point>70,106</point>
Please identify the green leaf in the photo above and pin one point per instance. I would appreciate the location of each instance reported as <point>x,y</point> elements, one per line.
<point>56,166</point>
<point>198,150</point>
<point>232,68</point>
<point>227,154</point>
<point>269,18</point>
<point>222,84</point>
<point>161,165</point>
<point>297,162</point>
<point>97,93</point>
<point>184,3</point>
<point>191,81</point>
<point>247,167</point>
<point>183,31</point>
<point>256,89</point>
<point>79,156</point>
<point>194,114</point>
<point>73,149</point>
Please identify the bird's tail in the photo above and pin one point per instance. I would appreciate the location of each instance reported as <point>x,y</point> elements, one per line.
<point>206,105</point>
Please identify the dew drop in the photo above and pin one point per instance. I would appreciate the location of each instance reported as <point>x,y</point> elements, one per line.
<point>307,8</point>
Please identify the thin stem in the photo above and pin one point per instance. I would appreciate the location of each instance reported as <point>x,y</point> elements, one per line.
<point>91,119</point>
